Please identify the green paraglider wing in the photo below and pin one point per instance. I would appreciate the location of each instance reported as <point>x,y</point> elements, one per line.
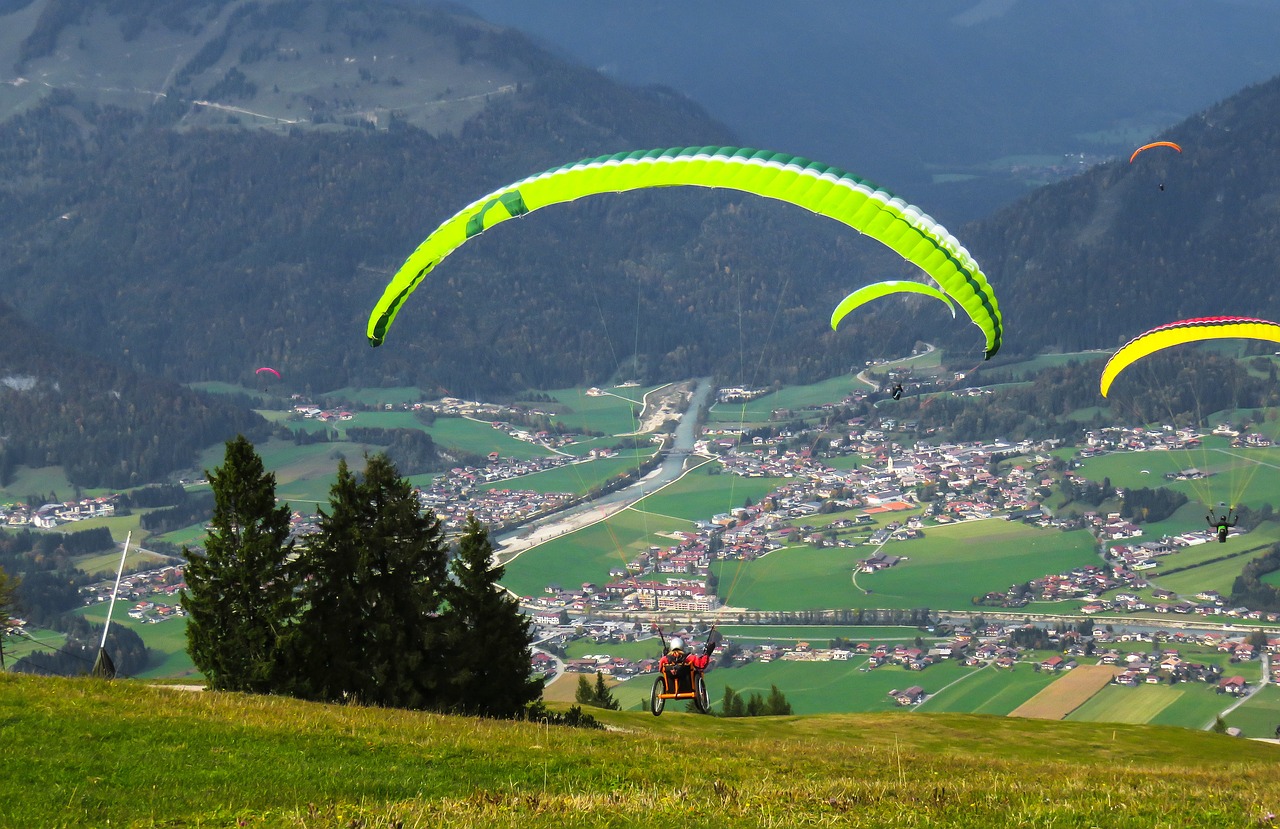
<point>878,289</point>
<point>825,190</point>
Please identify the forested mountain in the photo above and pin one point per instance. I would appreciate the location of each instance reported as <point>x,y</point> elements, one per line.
<point>107,426</point>
<point>1096,260</point>
<point>165,234</point>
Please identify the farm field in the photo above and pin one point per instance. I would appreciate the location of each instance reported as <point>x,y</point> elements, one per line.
<point>478,437</point>
<point>1029,368</point>
<point>700,495</point>
<point>820,635</point>
<point>588,554</point>
<point>830,687</point>
<point>1259,716</point>
<point>615,412</point>
<point>760,410</point>
<point>106,564</point>
<point>40,480</point>
<point>944,570</point>
<point>989,690</point>
<point>1066,693</point>
<point>577,478</point>
<point>1188,704</point>
<point>40,641</point>
<point>1249,476</point>
<point>397,395</point>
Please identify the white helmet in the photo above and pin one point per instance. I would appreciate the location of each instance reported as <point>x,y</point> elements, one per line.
<point>676,644</point>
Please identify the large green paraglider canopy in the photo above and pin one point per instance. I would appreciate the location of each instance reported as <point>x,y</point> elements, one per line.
<point>825,190</point>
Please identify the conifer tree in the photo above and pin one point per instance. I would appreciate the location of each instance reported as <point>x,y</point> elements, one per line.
<point>489,672</point>
<point>374,578</point>
<point>240,593</point>
<point>776,704</point>
<point>584,695</point>
<point>603,696</point>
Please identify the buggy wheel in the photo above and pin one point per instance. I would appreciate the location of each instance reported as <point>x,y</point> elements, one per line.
<point>700,694</point>
<point>656,702</point>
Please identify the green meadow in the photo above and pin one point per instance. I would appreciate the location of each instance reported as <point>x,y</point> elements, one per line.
<point>91,753</point>
<point>1187,704</point>
<point>791,398</point>
<point>588,554</point>
<point>396,396</point>
<point>1249,476</point>
<point>988,690</point>
<point>701,495</point>
<point>616,412</point>
<point>944,570</point>
<point>577,478</point>
<point>1259,715</point>
<point>39,481</point>
<point>820,635</point>
<point>1028,369</point>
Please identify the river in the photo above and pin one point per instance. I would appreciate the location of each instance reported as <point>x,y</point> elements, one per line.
<point>674,464</point>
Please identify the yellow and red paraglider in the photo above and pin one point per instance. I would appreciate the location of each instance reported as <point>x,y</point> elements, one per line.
<point>1185,331</point>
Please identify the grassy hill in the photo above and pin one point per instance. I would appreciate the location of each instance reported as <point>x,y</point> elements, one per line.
<point>87,753</point>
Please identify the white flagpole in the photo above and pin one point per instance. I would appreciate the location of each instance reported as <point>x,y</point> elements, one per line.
<point>116,589</point>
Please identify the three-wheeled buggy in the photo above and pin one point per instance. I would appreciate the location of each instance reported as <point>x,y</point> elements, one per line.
<point>680,681</point>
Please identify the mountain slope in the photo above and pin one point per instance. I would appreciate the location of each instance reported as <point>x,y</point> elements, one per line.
<point>198,253</point>
<point>1093,261</point>
<point>964,104</point>
<point>177,758</point>
<point>107,426</point>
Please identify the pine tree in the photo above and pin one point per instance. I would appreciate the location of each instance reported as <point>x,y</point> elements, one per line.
<point>489,671</point>
<point>776,705</point>
<point>240,594</point>
<point>584,695</point>
<point>374,580</point>
<point>603,696</point>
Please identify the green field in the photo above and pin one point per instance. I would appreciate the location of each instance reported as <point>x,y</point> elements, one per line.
<point>820,635</point>
<point>398,395</point>
<point>106,564</point>
<point>1259,715</point>
<point>577,478</point>
<point>944,570</point>
<point>92,753</point>
<point>989,690</point>
<point>588,554</point>
<point>700,495</point>
<point>614,413</point>
<point>1187,704</point>
<point>1030,368</point>
<point>38,481</point>
<point>830,687</point>
<point>1248,476</point>
<point>792,398</point>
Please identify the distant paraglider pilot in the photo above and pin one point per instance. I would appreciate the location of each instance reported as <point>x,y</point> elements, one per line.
<point>897,392</point>
<point>1222,525</point>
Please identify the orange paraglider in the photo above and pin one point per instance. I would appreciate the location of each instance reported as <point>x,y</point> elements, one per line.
<point>1145,147</point>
